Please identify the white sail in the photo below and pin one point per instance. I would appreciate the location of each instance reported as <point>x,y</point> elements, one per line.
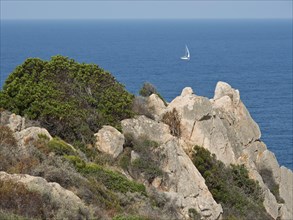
<point>187,54</point>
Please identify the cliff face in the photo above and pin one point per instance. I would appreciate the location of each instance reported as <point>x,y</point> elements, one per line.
<point>158,153</point>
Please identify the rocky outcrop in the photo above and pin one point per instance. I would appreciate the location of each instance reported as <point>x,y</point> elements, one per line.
<point>201,126</point>
<point>147,128</point>
<point>184,186</point>
<point>23,130</point>
<point>66,204</point>
<point>224,126</point>
<point>109,140</point>
<point>155,106</point>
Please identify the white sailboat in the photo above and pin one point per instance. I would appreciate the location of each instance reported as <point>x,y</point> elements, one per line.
<point>187,54</point>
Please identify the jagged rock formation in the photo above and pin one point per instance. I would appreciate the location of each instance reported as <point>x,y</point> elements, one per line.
<point>184,185</point>
<point>224,127</point>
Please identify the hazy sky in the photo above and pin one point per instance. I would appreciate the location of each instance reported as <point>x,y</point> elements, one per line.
<point>40,9</point>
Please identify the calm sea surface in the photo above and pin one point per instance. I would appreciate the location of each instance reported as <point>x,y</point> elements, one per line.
<point>254,56</point>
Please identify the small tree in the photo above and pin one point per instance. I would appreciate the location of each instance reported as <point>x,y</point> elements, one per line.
<point>147,89</point>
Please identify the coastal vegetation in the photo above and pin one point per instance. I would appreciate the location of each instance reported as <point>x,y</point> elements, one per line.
<point>71,100</point>
<point>240,196</point>
<point>152,173</point>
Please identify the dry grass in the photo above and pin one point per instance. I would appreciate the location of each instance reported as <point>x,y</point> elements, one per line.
<point>173,119</point>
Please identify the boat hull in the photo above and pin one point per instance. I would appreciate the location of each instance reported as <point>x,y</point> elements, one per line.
<point>185,58</point>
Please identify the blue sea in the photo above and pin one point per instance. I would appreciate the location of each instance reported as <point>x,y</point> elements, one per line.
<point>254,56</point>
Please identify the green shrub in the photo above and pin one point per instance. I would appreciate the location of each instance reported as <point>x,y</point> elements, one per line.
<point>147,89</point>
<point>76,161</point>
<point>240,197</point>
<point>268,179</point>
<point>129,217</point>
<point>148,162</point>
<point>110,179</point>
<point>72,100</point>
<point>193,214</point>
<point>60,147</point>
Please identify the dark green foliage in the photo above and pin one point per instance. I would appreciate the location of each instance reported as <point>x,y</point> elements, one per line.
<point>70,99</point>
<point>193,214</point>
<point>174,121</point>
<point>148,162</point>
<point>240,197</point>
<point>147,89</point>
<point>110,179</point>
<point>268,179</point>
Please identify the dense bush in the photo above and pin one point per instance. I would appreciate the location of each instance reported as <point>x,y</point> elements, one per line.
<point>70,99</point>
<point>110,179</point>
<point>147,164</point>
<point>148,89</point>
<point>267,176</point>
<point>240,197</point>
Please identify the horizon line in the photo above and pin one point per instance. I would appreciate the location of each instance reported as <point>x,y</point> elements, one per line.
<point>267,18</point>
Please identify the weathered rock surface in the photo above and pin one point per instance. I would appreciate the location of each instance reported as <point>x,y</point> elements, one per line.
<point>27,135</point>
<point>185,187</point>
<point>149,129</point>
<point>109,140</point>
<point>66,203</point>
<point>201,126</point>
<point>155,106</point>
<point>224,126</point>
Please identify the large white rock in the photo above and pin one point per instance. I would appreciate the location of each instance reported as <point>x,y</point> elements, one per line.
<point>185,186</point>
<point>143,127</point>
<point>155,106</point>
<point>26,136</point>
<point>200,126</point>
<point>224,89</point>
<point>16,122</point>
<point>109,140</point>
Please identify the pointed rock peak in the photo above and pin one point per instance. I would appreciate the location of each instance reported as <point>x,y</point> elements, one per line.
<point>187,91</point>
<point>224,89</point>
